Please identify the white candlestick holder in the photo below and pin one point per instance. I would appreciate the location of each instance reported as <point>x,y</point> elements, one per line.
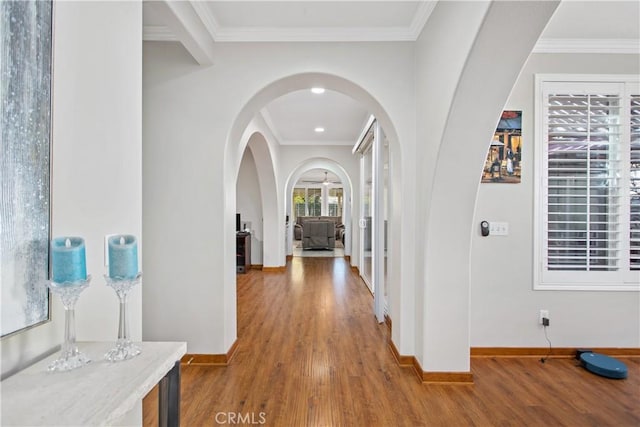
<point>70,356</point>
<point>125,348</point>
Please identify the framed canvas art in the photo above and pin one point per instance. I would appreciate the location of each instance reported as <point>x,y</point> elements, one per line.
<point>504,159</point>
<point>25,114</point>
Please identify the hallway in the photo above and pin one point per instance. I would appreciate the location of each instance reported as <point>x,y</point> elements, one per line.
<point>310,353</point>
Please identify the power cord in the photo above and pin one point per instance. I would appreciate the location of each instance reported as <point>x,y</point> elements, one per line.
<point>545,323</point>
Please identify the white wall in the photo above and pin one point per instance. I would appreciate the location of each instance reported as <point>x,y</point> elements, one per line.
<point>504,307</point>
<point>249,203</point>
<point>441,52</point>
<point>97,161</point>
<point>483,85</point>
<point>189,112</point>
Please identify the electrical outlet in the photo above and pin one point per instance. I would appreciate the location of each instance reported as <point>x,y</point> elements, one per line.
<point>544,314</point>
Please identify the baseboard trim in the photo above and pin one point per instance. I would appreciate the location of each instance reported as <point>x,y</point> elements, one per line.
<point>289,257</point>
<point>477,352</point>
<point>556,352</point>
<point>256,266</point>
<point>411,362</point>
<point>457,378</point>
<point>279,269</point>
<point>404,361</point>
<point>355,269</point>
<point>193,359</point>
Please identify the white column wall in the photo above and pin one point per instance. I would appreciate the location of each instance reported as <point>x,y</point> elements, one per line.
<point>471,117</point>
<point>96,162</point>
<point>441,53</point>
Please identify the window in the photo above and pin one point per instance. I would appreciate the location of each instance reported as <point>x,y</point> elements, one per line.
<point>314,201</point>
<point>307,202</point>
<point>587,191</point>
<point>335,202</point>
<point>299,202</point>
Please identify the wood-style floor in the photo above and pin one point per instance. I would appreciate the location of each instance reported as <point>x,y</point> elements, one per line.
<point>311,354</point>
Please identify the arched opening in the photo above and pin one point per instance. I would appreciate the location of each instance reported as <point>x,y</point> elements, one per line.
<point>235,145</point>
<point>347,185</point>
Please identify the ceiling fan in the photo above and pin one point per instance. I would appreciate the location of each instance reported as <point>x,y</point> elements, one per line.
<point>325,181</point>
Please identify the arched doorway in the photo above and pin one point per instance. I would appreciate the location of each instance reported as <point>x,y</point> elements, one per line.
<point>235,146</point>
<point>337,169</point>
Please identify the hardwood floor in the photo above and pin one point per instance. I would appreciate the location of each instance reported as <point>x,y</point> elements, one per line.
<point>311,354</point>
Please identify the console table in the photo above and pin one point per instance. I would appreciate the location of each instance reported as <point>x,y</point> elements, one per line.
<point>99,393</point>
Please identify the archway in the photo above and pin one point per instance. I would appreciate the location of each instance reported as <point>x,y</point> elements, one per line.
<point>347,185</point>
<point>234,147</point>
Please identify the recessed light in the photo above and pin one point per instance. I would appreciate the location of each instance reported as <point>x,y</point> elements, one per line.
<point>317,90</point>
<point>319,129</point>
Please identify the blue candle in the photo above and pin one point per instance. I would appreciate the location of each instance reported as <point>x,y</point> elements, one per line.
<point>68,259</point>
<point>123,257</point>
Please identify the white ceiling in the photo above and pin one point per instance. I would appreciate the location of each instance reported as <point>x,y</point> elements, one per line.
<point>595,20</point>
<point>293,117</point>
<point>313,177</point>
<point>307,20</point>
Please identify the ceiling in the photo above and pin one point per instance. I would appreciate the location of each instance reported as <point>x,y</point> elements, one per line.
<point>295,116</point>
<point>576,26</point>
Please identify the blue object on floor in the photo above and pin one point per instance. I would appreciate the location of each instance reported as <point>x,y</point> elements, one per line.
<point>604,366</point>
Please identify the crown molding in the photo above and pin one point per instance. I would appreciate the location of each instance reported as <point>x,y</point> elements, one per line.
<point>318,34</point>
<point>316,143</point>
<point>423,12</point>
<point>158,33</point>
<point>207,18</point>
<point>620,46</point>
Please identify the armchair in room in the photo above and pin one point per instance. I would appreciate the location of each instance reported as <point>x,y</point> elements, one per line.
<point>318,235</point>
<point>298,226</point>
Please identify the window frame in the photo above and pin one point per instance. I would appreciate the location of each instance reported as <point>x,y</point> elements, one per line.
<point>623,279</point>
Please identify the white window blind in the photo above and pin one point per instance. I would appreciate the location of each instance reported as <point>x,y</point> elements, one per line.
<point>634,188</point>
<point>587,225</point>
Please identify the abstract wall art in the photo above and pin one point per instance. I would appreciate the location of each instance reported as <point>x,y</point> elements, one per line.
<point>25,115</point>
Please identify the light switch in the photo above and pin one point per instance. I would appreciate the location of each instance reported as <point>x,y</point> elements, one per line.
<point>498,228</point>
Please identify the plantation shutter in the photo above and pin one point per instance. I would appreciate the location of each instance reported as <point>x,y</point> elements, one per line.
<point>634,187</point>
<point>587,188</point>
<point>582,178</point>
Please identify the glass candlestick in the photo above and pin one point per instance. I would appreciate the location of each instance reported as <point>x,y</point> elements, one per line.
<point>70,356</point>
<point>124,349</point>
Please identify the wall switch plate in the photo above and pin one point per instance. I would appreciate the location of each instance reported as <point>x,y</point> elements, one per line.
<point>498,228</point>
<point>544,314</point>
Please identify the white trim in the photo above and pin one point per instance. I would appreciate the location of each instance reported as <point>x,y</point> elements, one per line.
<point>316,34</point>
<point>621,280</point>
<point>423,12</point>
<point>620,46</point>
<point>361,139</point>
<point>207,18</point>
<point>158,33</point>
<point>315,142</point>
<point>630,287</point>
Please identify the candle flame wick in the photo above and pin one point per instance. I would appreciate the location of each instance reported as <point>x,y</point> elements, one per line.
<point>67,243</point>
<point>122,240</point>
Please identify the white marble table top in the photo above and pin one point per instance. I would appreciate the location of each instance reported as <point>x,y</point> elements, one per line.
<point>99,393</point>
